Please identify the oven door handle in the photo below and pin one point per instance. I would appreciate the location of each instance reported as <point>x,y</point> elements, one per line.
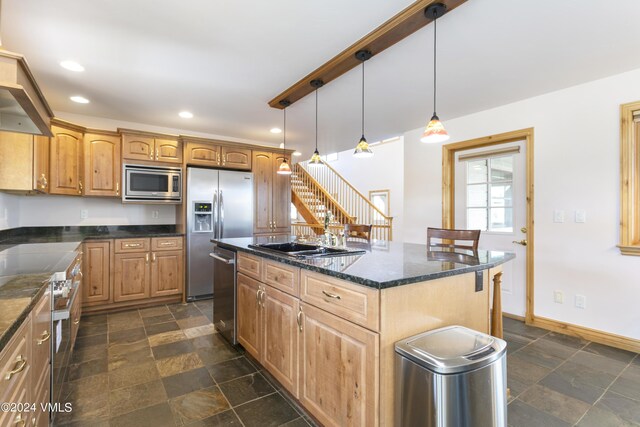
<point>228,261</point>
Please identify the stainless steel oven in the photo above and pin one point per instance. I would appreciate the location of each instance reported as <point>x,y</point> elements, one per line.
<point>152,184</point>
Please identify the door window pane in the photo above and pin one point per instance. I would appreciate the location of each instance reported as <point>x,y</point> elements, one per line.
<point>501,219</point>
<point>477,218</point>
<point>477,195</point>
<point>476,171</point>
<point>502,169</point>
<point>501,195</point>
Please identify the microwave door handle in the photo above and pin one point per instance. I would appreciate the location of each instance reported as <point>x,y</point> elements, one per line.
<point>221,215</point>
<point>215,214</point>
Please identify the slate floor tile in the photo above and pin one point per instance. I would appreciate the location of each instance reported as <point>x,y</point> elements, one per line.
<point>172,349</point>
<point>573,385</point>
<point>159,415</point>
<point>244,389</point>
<point>133,374</point>
<point>569,341</point>
<point>154,311</point>
<point>198,405</point>
<point>98,329</point>
<point>186,382</point>
<point>557,404</point>
<point>231,369</point>
<point>598,362</point>
<point>161,318</point>
<point>598,417</point>
<point>610,352</point>
<point>517,327</point>
<point>524,371</point>
<point>160,328</point>
<point>272,410</point>
<point>180,363</point>
<point>625,408</point>
<point>127,336</point>
<point>522,415</point>
<point>223,419</point>
<point>87,369</point>
<point>128,399</point>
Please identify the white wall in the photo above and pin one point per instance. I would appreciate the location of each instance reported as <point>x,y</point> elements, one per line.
<point>9,211</point>
<point>383,171</point>
<point>577,155</point>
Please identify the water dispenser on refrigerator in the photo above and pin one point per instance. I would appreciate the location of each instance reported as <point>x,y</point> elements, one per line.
<point>203,217</point>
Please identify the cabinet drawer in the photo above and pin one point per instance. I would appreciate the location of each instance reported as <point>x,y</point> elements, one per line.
<point>132,245</point>
<point>250,265</point>
<point>41,337</point>
<point>166,243</point>
<point>74,314</point>
<point>355,303</point>
<point>15,362</point>
<point>281,276</point>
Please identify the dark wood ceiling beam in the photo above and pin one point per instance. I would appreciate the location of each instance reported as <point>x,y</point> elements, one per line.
<point>386,35</point>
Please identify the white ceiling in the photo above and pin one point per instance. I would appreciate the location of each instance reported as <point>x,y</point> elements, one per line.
<point>146,60</point>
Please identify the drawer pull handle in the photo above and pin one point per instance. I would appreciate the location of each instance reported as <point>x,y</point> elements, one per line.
<point>146,258</point>
<point>153,257</point>
<point>330,295</point>
<point>132,245</point>
<point>258,296</point>
<point>167,243</point>
<point>299,318</point>
<point>76,321</point>
<point>21,363</point>
<point>19,421</point>
<point>45,337</point>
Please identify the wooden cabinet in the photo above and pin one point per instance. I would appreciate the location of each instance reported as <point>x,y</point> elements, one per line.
<point>25,162</point>
<point>167,273</point>
<point>236,158</point>
<point>102,164</point>
<point>249,313</point>
<point>338,369</point>
<point>202,154</point>
<point>65,161</point>
<point>41,354</point>
<point>97,272</point>
<point>132,276</point>
<point>16,367</point>
<point>151,148</point>
<point>272,194</point>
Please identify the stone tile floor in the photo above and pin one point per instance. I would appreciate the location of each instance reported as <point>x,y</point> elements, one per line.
<point>166,366</point>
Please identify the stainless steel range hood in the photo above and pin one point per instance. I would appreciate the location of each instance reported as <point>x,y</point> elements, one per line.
<point>22,105</point>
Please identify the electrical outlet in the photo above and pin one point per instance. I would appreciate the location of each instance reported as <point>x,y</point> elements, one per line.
<point>155,214</point>
<point>558,215</point>
<point>84,213</point>
<point>581,215</point>
<point>581,301</point>
<point>558,297</point>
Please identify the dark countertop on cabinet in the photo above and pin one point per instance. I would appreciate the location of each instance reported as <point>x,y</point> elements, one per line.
<point>384,264</point>
<point>79,233</point>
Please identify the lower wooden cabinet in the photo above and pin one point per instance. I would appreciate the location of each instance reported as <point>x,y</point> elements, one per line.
<point>129,272</point>
<point>249,321</point>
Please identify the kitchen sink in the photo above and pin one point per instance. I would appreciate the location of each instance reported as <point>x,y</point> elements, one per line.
<point>304,250</point>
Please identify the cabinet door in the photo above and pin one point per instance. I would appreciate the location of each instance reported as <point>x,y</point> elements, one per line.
<point>132,276</point>
<point>101,165</point>
<point>16,157</point>
<point>65,162</point>
<point>281,198</point>
<point>167,271</point>
<point>138,147</point>
<point>97,274</point>
<point>236,158</point>
<point>338,370</point>
<point>168,150</point>
<point>280,350</point>
<point>202,154</point>
<point>41,164</point>
<point>262,180</point>
<point>249,315</point>
<point>40,338</point>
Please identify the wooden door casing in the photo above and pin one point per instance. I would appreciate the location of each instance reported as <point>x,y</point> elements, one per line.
<point>65,162</point>
<point>132,276</point>
<point>167,272</point>
<point>280,344</point>
<point>249,320</point>
<point>97,277</point>
<point>263,182</point>
<point>102,165</point>
<point>338,369</point>
<point>136,147</point>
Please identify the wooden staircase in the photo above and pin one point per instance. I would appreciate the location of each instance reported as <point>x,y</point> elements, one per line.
<point>318,190</point>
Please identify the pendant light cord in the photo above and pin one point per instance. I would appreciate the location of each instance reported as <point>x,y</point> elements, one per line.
<point>435,32</point>
<point>316,119</point>
<point>363,98</point>
<point>284,136</point>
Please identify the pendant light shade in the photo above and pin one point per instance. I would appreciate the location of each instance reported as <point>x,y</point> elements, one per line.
<point>284,168</point>
<point>315,159</point>
<point>435,131</point>
<point>362,149</point>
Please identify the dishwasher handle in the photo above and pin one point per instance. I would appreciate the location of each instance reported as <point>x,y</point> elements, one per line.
<point>225,260</point>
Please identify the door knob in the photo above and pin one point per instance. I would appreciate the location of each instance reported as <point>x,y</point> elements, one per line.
<point>522,242</point>
<point>523,229</point>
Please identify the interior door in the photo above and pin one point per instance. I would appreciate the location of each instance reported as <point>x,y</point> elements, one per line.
<point>491,195</point>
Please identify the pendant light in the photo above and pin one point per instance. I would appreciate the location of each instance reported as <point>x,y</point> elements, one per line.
<point>435,131</point>
<point>362,149</point>
<point>284,168</point>
<point>315,159</point>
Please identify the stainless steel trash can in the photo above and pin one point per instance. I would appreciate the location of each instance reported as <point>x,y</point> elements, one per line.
<point>451,377</point>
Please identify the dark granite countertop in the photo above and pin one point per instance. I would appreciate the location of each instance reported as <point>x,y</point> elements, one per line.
<point>74,233</point>
<point>384,264</point>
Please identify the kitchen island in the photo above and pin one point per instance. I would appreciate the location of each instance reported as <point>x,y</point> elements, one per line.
<point>325,327</point>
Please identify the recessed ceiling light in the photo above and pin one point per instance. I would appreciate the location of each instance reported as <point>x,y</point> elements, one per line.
<point>297,153</point>
<point>72,66</point>
<point>79,99</point>
<point>275,130</point>
<point>185,114</point>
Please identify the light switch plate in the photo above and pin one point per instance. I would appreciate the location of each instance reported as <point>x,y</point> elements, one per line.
<point>155,214</point>
<point>581,301</point>
<point>558,215</point>
<point>581,215</point>
<point>558,297</point>
<point>84,213</point>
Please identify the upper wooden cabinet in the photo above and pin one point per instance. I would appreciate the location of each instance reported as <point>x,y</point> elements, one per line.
<point>24,162</point>
<point>102,165</point>
<point>204,153</point>
<point>236,158</point>
<point>149,148</point>
<point>66,161</point>
<point>272,193</point>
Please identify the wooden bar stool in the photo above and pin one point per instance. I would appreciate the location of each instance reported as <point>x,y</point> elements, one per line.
<point>449,238</point>
<point>358,231</point>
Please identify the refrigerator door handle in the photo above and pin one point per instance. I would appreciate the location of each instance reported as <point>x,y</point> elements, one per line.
<point>215,214</point>
<point>221,216</point>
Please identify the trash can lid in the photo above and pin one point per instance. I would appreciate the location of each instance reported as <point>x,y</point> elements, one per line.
<point>452,349</point>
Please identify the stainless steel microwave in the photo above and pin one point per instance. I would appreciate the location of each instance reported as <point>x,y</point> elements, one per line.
<point>152,184</point>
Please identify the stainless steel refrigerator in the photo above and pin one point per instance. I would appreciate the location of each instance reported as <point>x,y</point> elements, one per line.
<point>219,205</point>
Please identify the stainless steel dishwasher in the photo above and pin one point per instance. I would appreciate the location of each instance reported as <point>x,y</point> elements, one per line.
<point>224,292</point>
